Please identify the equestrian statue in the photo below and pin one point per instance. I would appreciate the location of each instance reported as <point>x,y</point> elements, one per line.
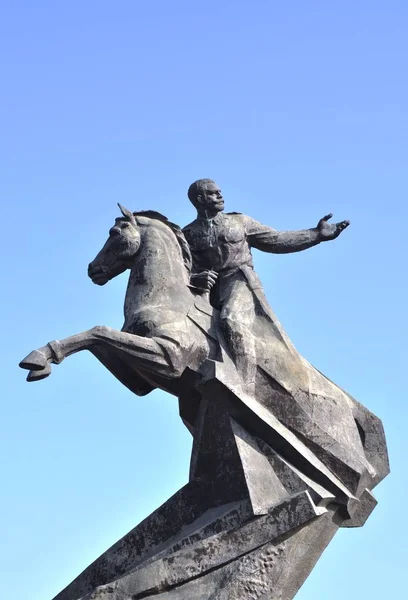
<point>282,457</point>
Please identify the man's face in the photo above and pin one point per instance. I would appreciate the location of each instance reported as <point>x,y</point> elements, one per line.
<point>211,197</point>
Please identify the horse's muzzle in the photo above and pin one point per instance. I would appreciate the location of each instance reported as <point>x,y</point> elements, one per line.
<point>98,273</point>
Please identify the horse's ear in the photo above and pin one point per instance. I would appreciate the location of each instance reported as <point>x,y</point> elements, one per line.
<point>126,213</point>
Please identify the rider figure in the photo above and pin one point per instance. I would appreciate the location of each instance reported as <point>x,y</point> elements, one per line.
<point>222,264</point>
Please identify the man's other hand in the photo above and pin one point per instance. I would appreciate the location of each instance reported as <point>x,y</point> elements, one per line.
<point>204,280</point>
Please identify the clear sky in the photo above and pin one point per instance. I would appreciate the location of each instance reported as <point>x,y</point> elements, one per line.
<point>297,109</point>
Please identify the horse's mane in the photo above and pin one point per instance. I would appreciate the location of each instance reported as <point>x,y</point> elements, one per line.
<point>185,248</point>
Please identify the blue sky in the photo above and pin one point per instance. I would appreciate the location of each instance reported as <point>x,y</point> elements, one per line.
<point>297,109</point>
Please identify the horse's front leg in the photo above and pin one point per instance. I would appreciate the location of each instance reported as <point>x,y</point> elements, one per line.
<point>38,362</point>
<point>145,351</point>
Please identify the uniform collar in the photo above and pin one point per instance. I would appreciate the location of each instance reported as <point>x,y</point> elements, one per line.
<point>218,217</point>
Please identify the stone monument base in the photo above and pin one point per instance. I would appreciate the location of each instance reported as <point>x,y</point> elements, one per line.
<point>266,557</point>
<point>224,554</point>
<point>195,546</point>
<point>249,525</point>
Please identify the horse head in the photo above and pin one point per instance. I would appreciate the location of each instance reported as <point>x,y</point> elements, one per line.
<point>118,251</point>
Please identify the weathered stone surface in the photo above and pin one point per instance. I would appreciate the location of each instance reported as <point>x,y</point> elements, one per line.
<point>178,566</point>
<point>275,569</point>
<point>156,534</point>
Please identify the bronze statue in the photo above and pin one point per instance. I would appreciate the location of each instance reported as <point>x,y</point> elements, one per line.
<point>281,457</point>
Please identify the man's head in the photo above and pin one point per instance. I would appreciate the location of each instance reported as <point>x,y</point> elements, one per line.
<point>206,196</point>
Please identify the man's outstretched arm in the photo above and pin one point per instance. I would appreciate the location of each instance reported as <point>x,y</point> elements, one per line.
<point>283,242</point>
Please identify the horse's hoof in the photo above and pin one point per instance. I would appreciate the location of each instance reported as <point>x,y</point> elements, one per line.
<point>35,361</point>
<point>37,375</point>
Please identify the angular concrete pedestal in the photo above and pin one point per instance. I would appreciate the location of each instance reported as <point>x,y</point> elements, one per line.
<point>256,515</point>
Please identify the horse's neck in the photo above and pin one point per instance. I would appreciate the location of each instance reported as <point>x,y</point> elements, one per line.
<point>158,279</point>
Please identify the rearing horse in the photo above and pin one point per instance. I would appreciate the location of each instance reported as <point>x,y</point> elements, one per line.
<point>161,334</point>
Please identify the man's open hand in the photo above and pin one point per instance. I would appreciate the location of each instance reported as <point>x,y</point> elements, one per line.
<point>329,231</point>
